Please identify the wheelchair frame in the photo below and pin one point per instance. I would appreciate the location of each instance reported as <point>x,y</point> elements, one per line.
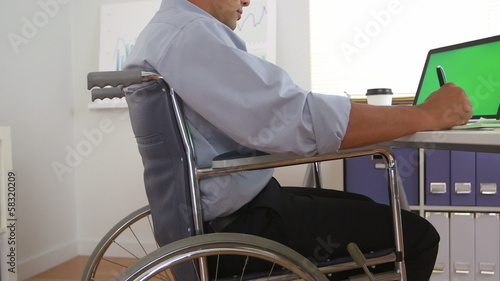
<point>221,166</point>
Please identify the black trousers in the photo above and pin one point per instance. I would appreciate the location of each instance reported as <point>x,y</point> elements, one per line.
<point>319,223</point>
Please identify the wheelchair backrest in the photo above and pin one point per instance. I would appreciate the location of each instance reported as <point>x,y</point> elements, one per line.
<point>163,155</point>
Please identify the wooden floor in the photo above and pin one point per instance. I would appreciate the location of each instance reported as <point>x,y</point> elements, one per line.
<point>72,270</point>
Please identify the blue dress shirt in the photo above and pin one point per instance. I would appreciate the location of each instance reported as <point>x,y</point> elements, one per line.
<point>234,99</point>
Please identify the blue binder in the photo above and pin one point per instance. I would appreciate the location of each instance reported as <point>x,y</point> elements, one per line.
<point>463,178</point>
<point>367,175</point>
<point>408,166</point>
<point>437,177</point>
<point>488,179</point>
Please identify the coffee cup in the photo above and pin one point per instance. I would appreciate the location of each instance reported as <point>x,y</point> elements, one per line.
<point>379,96</point>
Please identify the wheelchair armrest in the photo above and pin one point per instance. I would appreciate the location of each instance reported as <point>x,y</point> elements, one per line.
<point>253,160</point>
<point>244,157</point>
<point>240,153</point>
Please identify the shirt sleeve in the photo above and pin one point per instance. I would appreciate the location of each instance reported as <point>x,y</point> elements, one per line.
<point>251,100</point>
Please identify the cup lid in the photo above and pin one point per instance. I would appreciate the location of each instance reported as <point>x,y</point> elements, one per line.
<point>379,91</point>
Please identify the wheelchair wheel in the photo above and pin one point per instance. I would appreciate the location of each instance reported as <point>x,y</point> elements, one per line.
<point>250,257</point>
<point>128,241</point>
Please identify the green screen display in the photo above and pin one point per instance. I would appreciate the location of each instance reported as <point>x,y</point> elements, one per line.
<point>474,66</point>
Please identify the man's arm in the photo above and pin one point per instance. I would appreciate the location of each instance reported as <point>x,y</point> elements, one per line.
<point>447,107</point>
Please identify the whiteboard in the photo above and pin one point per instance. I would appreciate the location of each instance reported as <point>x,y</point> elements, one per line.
<point>257,27</point>
<point>121,23</point>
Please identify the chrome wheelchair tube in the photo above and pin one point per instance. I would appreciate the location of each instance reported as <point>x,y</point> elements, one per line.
<point>396,208</point>
<point>193,179</point>
<point>272,161</point>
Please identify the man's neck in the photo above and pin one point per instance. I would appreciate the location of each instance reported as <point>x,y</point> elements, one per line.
<point>202,4</point>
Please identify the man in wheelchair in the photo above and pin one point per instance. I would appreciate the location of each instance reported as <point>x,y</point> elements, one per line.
<point>233,99</point>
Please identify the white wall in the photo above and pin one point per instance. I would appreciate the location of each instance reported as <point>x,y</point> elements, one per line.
<point>36,101</point>
<point>109,180</point>
<point>63,213</point>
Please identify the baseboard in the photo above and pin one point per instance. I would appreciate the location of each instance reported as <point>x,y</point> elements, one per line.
<point>42,262</point>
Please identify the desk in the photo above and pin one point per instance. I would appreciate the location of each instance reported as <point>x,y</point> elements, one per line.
<point>465,140</point>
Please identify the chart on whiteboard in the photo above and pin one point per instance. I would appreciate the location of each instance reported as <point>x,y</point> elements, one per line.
<point>257,27</point>
<point>121,23</point>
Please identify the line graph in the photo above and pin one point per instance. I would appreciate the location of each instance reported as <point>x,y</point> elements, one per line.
<point>257,28</point>
<point>121,23</point>
<point>121,51</point>
<point>255,22</point>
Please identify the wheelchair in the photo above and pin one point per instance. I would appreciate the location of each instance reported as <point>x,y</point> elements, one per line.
<point>182,251</point>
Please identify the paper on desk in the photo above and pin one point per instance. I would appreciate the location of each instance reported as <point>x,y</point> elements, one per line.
<point>481,123</point>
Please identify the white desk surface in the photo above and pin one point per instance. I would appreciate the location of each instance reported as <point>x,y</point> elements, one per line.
<point>479,140</point>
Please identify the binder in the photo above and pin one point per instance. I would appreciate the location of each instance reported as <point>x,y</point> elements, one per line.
<point>462,247</point>
<point>488,179</point>
<point>367,175</point>
<point>487,242</point>
<point>408,166</point>
<point>463,178</point>
<point>437,177</point>
<point>440,221</point>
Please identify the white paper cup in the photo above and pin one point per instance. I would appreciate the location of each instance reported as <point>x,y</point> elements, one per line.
<point>379,96</point>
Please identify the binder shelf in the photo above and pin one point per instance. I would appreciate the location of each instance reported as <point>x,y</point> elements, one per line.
<point>457,191</point>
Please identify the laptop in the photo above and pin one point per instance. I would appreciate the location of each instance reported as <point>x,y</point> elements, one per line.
<point>474,66</point>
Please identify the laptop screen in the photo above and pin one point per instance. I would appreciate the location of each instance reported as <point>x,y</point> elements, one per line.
<point>474,66</point>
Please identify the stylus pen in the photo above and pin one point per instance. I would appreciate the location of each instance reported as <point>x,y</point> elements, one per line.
<point>441,75</point>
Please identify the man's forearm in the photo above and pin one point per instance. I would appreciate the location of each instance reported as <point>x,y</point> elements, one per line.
<point>375,124</point>
<point>444,108</point>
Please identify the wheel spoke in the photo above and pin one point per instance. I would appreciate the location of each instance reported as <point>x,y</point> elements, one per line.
<point>138,241</point>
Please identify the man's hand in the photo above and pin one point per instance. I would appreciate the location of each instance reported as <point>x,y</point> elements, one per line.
<point>447,107</point>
